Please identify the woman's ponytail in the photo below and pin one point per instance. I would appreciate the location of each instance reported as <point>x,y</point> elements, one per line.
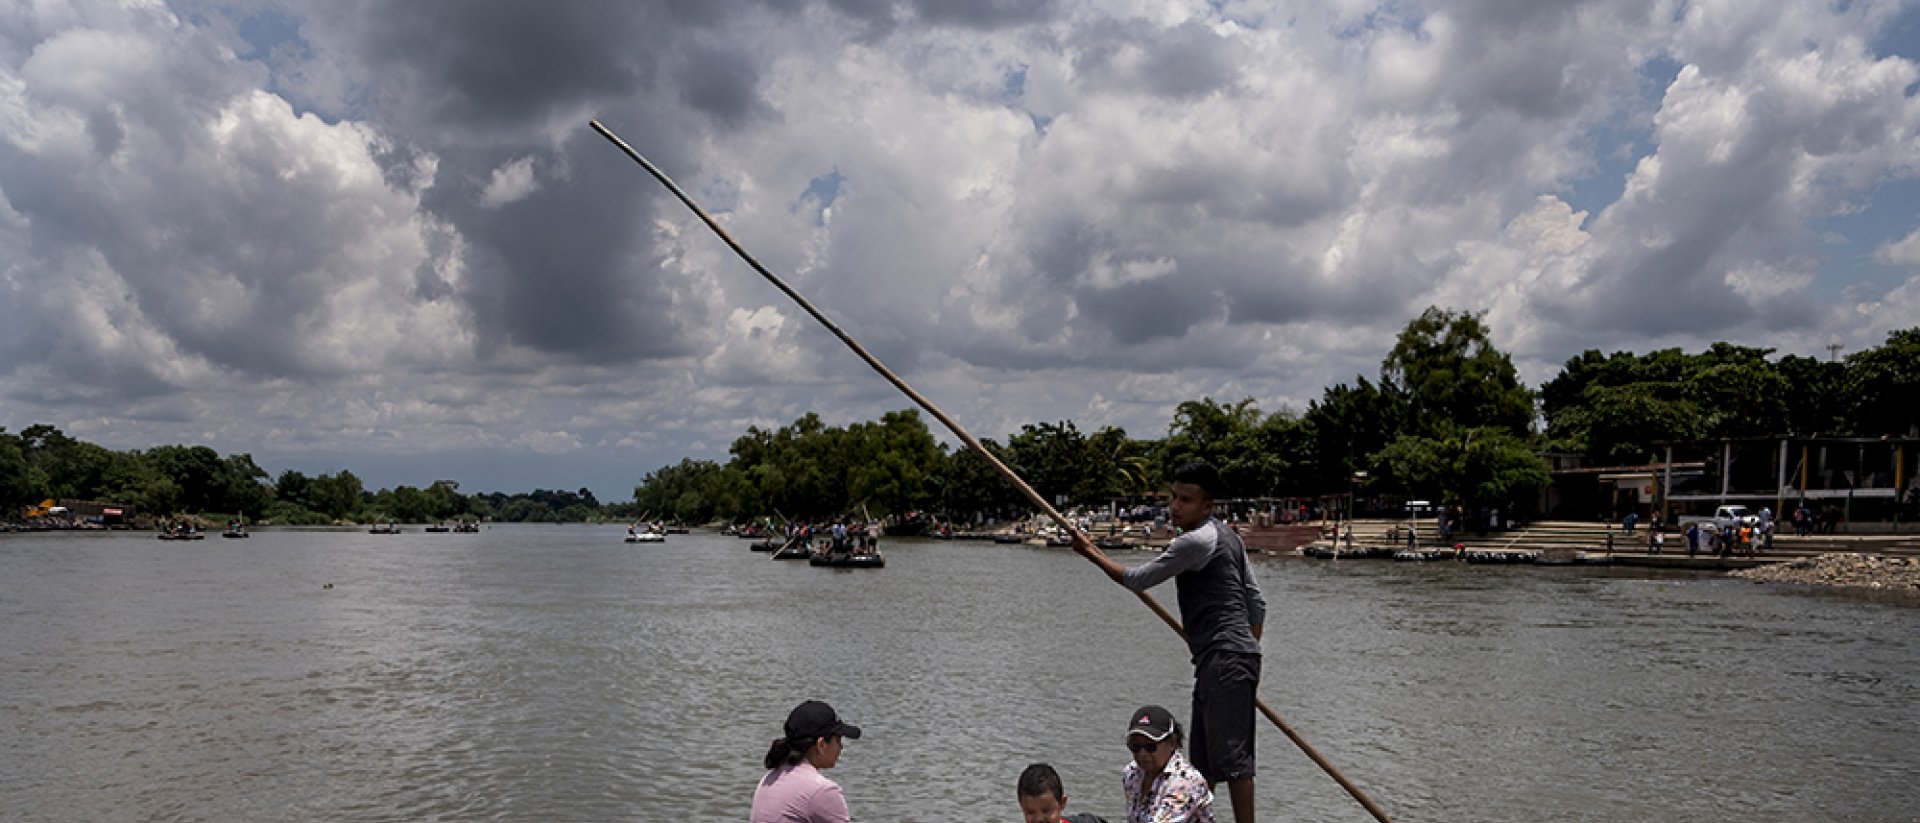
<point>782,753</point>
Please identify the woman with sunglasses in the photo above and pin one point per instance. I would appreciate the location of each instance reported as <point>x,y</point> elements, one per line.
<point>794,790</point>
<point>1161,786</point>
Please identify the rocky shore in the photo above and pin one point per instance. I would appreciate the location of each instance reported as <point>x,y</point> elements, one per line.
<point>1867,571</point>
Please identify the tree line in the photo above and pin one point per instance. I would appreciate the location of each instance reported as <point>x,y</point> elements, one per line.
<point>1445,418</point>
<point>43,463</point>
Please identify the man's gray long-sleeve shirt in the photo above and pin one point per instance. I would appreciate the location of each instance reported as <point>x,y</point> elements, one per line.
<point>1220,602</point>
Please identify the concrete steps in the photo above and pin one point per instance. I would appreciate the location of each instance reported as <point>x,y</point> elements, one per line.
<point>1560,536</point>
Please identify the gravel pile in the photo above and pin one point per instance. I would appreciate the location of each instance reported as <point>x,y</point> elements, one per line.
<point>1869,571</point>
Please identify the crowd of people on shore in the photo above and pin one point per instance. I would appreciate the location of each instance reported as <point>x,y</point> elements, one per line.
<point>1738,538</point>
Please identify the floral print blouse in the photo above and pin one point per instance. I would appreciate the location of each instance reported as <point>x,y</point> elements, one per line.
<point>1178,795</point>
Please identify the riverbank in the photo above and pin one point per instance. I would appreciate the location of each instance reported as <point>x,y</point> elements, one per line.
<point>1866,571</point>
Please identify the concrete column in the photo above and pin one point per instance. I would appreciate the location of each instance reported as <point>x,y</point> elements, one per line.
<point>1899,470</point>
<point>1806,454</point>
<point>1727,467</point>
<point>1780,489</point>
<point>1666,489</point>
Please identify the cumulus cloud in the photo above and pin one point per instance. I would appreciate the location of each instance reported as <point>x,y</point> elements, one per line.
<point>1902,252</point>
<point>380,227</point>
<point>510,182</point>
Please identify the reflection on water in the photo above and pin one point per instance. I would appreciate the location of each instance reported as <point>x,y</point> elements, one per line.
<point>556,673</point>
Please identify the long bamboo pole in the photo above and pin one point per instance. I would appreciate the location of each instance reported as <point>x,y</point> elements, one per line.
<point>971,443</point>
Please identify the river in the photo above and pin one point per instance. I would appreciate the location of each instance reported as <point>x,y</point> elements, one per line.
<point>554,673</point>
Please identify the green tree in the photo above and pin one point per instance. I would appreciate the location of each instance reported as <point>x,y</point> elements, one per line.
<point>1884,385</point>
<point>1817,395</point>
<point>1206,429</point>
<point>1281,458</point>
<point>197,470</point>
<point>21,482</point>
<point>1345,427</point>
<point>405,504</point>
<point>246,489</point>
<point>1051,457</point>
<point>1739,399</point>
<point>1118,466</point>
<point>1448,372</point>
<point>678,493</point>
<point>1258,454</point>
<point>130,479</point>
<point>733,495</point>
<point>1618,425</point>
<point>444,501</point>
<point>968,484</point>
<point>337,495</point>
<point>71,469</point>
<point>1486,466</point>
<point>897,459</point>
<point>294,488</point>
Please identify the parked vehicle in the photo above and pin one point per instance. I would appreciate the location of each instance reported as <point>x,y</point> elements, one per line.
<point>1726,517</point>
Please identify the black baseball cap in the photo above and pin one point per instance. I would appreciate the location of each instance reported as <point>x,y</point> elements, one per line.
<point>1152,721</point>
<point>816,719</point>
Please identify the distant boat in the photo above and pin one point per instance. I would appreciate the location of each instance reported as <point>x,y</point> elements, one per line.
<point>386,529</point>
<point>237,528</point>
<point>914,524</point>
<point>651,535</point>
<point>868,559</point>
<point>437,527</point>
<point>466,528</point>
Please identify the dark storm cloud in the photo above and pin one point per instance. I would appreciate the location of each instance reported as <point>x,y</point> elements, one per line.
<point>497,63</point>
<point>1209,187</point>
<point>1190,60</point>
<point>565,270</point>
<point>1166,306</point>
<point>722,83</point>
<point>1066,244</point>
<point>981,14</point>
<point>1187,60</point>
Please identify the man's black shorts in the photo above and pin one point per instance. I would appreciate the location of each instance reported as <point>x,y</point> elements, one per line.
<point>1221,743</point>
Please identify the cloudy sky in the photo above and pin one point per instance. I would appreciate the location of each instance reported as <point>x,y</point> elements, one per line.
<point>381,236</point>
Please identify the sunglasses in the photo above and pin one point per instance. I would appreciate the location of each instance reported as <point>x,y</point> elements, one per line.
<point>1142,745</point>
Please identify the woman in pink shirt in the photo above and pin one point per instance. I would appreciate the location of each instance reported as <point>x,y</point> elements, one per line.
<point>794,790</point>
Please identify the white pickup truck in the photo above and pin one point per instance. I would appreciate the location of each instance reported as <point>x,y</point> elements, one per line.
<point>1734,517</point>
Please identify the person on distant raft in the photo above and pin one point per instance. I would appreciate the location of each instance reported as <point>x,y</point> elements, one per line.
<point>1044,800</point>
<point>794,790</point>
<point>1160,784</point>
<point>1223,611</point>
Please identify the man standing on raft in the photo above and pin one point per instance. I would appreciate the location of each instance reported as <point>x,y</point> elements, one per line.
<point>1223,611</point>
